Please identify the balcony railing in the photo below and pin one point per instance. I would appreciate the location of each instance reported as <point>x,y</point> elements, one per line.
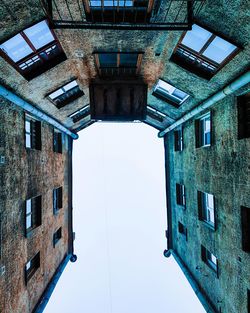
<point>123,14</point>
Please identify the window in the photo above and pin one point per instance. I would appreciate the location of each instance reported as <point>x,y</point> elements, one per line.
<point>31,266</point>
<point>33,212</point>
<point>33,51</point>
<point>155,114</point>
<point>203,131</point>
<point>57,236</point>
<point>57,199</point>
<point>206,208</point>
<point>245,226</point>
<point>118,63</point>
<point>80,114</point>
<point>122,11</point>
<point>32,133</point>
<point>57,141</point>
<point>178,140</point>
<point>202,52</point>
<point>243,103</point>
<point>167,92</point>
<point>182,229</point>
<point>65,94</point>
<point>209,258</point>
<point>180,194</point>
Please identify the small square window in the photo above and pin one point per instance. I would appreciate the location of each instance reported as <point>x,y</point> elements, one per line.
<point>57,236</point>
<point>202,52</point>
<point>243,104</point>
<point>31,267</point>
<point>206,208</point>
<point>32,133</point>
<point>33,51</point>
<point>169,93</point>
<point>180,195</point>
<point>57,141</point>
<point>203,131</point>
<point>65,94</point>
<point>209,258</point>
<point>245,227</point>
<point>178,140</point>
<point>118,63</point>
<point>33,212</point>
<point>57,199</point>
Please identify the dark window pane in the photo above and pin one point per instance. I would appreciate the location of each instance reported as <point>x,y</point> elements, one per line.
<point>128,60</point>
<point>108,59</point>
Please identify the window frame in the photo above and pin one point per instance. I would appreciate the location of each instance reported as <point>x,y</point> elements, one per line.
<point>57,199</point>
<point>35,213</point>
<point>204,209</point>
<point>57,236</point>
<point>200,133</point>
<point>178,139</point>
<point>180,194</point>
<point>57,141</point>
<point>207,258</point>
<point>34,133</point>
<point>169,97</point>
<point>198,55</point>
<point>118,70</point>
<point>33,267</point>
<point>68,98</point>
<point>80,113</point>
<point>45,63</point>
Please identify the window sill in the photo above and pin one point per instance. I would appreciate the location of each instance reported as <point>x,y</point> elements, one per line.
<point>208,225</point>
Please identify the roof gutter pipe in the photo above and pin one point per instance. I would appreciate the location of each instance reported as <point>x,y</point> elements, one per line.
<point>193,283</point>
<point>9,95</point>
<point>228,90</point>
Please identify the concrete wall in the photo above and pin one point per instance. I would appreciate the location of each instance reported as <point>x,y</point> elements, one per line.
<point>27,173</point>
<point>222,170</point>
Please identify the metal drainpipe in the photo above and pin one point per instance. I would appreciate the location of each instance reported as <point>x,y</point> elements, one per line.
<point>34,111</point>
<point>228,90</point>
<point>193,283</point>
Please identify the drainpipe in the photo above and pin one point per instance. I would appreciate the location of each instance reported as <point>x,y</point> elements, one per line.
<point>228,90</point>
<point>34,111</point>
<point>204,301</point>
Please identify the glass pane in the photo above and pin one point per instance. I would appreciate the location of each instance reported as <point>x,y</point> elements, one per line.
<point>39,34</point>
<point>27,126</point>
<point>211,215</point>
<point>196,38</point>
<point>28,221</point>
<point>56,94</point>
<point>163,86</point>
<point>213,258</point>
<point>28,265</point>
<point>94,3</point>
<point>108,3</point>
<point>128,60</point>
<point>207,138</point>
<point>210,200</point>
<point>207,124</point>
<point>28,206</point>
<point>16,48</point>
<point>219,49</point>
<point>28,141</point>
<point>108,59</point>
<point>70,85</point>
<point>179,94</point>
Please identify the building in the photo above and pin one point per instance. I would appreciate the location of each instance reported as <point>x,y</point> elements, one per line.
<point>179,66</point>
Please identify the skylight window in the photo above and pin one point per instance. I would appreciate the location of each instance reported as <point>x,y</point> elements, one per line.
<point>202,52</point>
<point>33,51</point>
<point>66,94</point>
<point>165,91</point>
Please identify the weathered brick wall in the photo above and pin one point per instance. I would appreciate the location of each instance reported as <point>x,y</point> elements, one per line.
<point>27,173</point>
<point>222,170</point>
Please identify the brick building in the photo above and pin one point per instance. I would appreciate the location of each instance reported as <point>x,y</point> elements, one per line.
<point>179,66</point>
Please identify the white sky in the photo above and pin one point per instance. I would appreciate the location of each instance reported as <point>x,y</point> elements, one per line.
<point>120,221</point>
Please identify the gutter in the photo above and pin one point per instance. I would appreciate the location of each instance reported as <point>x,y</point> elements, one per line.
<point>228,90</point>
<point>196,288</point>
<point>9,95</point>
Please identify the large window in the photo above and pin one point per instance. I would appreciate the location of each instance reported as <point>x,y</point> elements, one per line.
<point>33,51</point>
<point>65,94</point>
<point>206,208</point>
<point>118,63</point>
<point>33,212</point>
<point>32,133</point>
<point>245,226</point>
<point>243,103</point>
<point>169,93</point>
<point>202,52</point>
<point>57,199</point>
<point>118,11</point>
<point>209,258</point>
<point>203,131</point>
<point>31,267</point>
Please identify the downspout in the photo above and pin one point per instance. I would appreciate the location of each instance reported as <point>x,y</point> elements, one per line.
<point>204,301</point>
<point>9,95</point>
<point>228,90</point>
